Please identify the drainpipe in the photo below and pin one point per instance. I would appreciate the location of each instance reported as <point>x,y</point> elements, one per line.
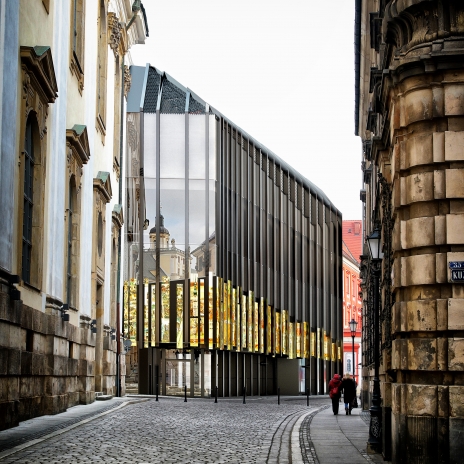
<point>135,10</point>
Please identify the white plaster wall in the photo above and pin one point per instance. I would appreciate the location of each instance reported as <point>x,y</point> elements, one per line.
<point>87,203</point>
<point>108,167</point>
<point>56,162</point>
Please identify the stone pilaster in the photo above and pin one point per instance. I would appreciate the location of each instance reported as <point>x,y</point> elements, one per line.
<point>416,129</point>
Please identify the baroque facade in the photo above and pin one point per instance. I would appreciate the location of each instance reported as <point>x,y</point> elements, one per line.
<point>247,298</point>
<point>61,100</point>
<point>352,301</point>
<point>409,113</point>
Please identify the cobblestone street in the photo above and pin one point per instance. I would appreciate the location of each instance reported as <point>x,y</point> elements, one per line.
<point>174,431</point>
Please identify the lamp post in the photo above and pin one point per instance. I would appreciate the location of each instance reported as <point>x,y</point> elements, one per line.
<point>353,325</point>
<point>375,426</point>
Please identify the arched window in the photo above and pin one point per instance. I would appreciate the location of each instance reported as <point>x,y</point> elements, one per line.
<point>72,205</point>
<point>102,57</point>
<point>28,200</point>
<point>39,89</point>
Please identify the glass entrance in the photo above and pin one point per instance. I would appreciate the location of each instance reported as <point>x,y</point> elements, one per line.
<point>189,369</point>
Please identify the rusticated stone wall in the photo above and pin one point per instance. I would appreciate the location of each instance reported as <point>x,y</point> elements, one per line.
<point>46,364</point>
<point>415,126</point>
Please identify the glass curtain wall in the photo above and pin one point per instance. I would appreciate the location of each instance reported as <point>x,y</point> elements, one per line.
<point>228,248</point>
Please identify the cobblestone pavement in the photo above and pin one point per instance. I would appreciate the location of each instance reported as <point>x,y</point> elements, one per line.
<point>174,431</point>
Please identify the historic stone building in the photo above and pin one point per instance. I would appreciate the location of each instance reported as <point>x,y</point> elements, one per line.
<point>409,111</point>
<point>61,97</point>
<point>352,300</point>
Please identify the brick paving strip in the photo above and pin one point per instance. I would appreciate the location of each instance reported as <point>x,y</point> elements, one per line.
<point>280,450</point>
<point>10,446</point>
<point>306,447</point>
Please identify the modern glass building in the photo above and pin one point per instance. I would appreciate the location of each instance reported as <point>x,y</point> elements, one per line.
<point>233,260</point>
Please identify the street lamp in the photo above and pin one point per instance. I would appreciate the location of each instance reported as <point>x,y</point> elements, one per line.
<point>375,426</point>
<point>353,325</point>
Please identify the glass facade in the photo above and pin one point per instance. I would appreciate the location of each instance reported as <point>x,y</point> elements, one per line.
<point>242,255</point>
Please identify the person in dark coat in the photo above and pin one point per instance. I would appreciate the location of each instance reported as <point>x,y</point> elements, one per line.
<point>335,392</point>
<point>349,392</point>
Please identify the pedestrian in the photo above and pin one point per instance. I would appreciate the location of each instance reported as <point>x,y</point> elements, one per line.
<point>349,393</point>
<point>335,392</point>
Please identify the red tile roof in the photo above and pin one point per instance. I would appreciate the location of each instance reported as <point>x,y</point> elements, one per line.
<point>352,237</point>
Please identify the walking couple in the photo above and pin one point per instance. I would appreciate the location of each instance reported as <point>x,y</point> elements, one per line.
<point>347,386</point>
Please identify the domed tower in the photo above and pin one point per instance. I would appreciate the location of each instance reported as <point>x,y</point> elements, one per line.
<point>164,235</point>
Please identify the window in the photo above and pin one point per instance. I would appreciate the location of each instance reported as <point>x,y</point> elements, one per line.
<point>78,153</point>
<point>71,238</point>
<point>39,90</point>
<point>32,214</point>
<point>28,201</point>
<point>77,41</point>
<point>102,69</point>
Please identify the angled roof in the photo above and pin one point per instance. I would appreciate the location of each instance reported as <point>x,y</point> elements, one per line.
<point>153,90</point>
<point>352,238</point>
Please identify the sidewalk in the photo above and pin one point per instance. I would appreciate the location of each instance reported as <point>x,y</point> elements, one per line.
<point>341,438</point>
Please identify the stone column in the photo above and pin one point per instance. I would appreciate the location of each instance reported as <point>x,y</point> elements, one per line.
<point>416,120</point>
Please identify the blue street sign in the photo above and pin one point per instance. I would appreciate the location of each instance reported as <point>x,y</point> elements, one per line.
<point>457,275</point>
<point>456,265</point>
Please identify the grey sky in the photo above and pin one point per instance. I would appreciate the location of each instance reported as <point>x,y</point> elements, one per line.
<point>283,71</point>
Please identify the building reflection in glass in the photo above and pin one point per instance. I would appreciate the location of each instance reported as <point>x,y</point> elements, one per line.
<point>241,265</point>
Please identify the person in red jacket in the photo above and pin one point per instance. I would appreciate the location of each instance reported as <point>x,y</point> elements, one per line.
<point>335,392</point>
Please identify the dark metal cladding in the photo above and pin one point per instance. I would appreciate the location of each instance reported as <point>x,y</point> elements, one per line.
<point>151,94</point>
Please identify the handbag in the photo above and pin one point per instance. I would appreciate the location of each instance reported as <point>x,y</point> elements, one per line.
<point>354,403</point>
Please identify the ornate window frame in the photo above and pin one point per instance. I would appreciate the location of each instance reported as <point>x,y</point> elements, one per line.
<point>102,195</point>
<point>117,223</point>
<point>39,89</point>
<point>78,154</point>
<point>77,42</point>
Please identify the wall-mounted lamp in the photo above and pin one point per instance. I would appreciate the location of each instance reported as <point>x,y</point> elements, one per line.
<point>63,310</point>
<point>15,294</point>
<point>93,326</point>
<point>113,334</point>
<point>127,345</point>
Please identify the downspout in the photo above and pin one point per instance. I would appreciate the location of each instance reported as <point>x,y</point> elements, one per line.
<point>135,9</point>
<point>357,62</point>
<point>118,283</point>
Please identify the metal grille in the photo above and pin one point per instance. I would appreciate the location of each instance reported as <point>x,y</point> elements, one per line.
<point>368,328</point>
<point>196,107</point>
<point>151,94</point>
<point>172,99</point>
<point>386,282</point>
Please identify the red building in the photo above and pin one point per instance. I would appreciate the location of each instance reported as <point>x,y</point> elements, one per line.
<point>352,303</point>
